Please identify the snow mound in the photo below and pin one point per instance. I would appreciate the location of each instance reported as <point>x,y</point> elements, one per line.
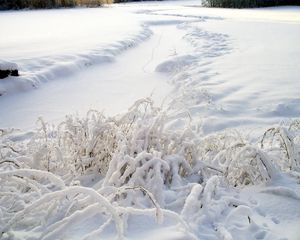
<point>37,71</point>
<point>4,65</point>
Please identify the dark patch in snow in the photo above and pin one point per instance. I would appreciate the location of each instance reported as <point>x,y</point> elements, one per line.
<point>8,69</point>
<point>7,73</point>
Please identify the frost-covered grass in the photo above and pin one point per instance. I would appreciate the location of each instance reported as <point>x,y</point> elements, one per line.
<point>146,168</point>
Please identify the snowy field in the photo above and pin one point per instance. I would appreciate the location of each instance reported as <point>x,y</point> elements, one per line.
<point>182,123</point>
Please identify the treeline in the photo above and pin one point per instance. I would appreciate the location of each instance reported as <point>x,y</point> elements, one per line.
<point>37,4</point>
<point>121,1</point>
<point>248,3</point>
<point>21,4</point>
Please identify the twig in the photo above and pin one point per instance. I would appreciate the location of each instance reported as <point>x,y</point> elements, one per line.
<point>9,161</point>
<point>11,148</point>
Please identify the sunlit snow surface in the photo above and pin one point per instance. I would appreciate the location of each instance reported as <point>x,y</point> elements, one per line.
<point>222,76</point>
<point>30,34</point>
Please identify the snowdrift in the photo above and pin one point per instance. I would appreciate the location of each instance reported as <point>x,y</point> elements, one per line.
<point>43,70</point>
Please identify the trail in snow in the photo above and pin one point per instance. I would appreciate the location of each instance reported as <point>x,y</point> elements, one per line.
<point>111,87</point>
<point>152,52</point>
<point>238,76</point>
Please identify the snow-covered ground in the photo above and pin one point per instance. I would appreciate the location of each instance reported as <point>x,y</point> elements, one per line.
<point>210,148</point>
<point>111,87</point>
<point>48,44</point>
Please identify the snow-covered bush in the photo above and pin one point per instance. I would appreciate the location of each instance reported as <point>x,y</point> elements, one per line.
<point>284,142</point>
<point>77,146</point>
<point>139,148</point>
<point>144,166</point>
<point>228,154</point>
<point>90,142</point>
<point>149,155</point>
<point>250,166</point>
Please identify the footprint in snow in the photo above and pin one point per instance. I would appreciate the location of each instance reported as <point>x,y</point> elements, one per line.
<point>260,235</point>
<point>275,220</point>
<point>260,212</point>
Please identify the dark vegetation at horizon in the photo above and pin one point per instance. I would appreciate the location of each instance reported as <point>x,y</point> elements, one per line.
<point>248,3</point>
<point>41,4</point>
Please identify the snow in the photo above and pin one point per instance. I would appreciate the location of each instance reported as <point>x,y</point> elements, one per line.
<point>244,86</point>
<point>65,41</point>
<point>195,136</point>
<point>4,65</point>
<point>109,88</point>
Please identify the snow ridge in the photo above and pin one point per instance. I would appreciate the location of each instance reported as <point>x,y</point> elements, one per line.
<point>45,69</point>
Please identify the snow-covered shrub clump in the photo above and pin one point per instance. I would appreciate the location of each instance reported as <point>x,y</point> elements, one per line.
<point>138,165</point>
<point>284,141</point>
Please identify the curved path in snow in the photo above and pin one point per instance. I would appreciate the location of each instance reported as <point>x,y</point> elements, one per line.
<point>112,86</point>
